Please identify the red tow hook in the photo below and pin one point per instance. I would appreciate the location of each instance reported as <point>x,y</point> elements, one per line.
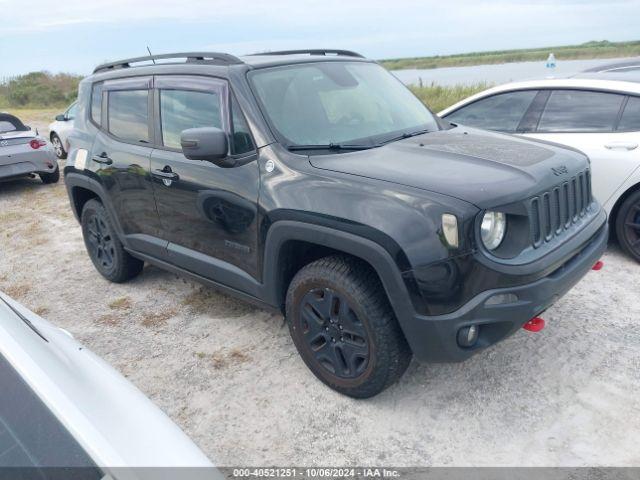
<point>598,265</point>
<point>534,325</point>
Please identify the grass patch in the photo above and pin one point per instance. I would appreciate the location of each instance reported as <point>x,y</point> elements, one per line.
<point>158,319</point>
<point>589,50</point>
<point>122,303</point>
<point>437,97</point>
<point>18,290</point>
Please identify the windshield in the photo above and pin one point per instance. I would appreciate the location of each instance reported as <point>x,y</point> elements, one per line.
<point>336,103</point>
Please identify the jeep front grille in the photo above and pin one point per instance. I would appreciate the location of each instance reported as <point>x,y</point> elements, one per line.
<point>556,210</point>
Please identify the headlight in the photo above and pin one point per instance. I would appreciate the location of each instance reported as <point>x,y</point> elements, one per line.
<point>493,228</point>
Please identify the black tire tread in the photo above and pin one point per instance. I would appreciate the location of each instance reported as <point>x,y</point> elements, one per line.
<point>361,282</point>
<point>633,199</point>
<point>127,266</point>
<point>53,177</point>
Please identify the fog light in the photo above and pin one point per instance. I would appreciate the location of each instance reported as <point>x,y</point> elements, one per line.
<point>467,336</point>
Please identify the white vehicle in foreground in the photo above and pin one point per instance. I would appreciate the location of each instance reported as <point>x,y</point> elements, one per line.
<point>60,129</point>
<point>597,113</point>
<point>62,407</point>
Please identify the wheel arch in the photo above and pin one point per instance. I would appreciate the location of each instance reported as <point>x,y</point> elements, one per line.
<point>81,189</point>
<point>290,245</point>
<point>616,208</point>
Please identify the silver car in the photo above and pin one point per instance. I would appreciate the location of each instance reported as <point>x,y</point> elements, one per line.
<point>23,152</point>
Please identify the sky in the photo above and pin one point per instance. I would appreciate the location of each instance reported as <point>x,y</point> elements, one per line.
<point>75,35</point>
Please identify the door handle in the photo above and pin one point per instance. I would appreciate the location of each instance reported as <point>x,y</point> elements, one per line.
<point>166,175</point>
<point>621,145</point>
<point>102,158</point>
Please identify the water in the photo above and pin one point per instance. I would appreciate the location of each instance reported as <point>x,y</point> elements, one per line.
<point>497,74</point>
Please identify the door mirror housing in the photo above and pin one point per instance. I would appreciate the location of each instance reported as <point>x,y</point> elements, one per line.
<point>60,118</point>
<point>207,143</point>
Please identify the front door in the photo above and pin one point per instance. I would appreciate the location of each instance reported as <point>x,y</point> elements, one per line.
<point>208,213</point>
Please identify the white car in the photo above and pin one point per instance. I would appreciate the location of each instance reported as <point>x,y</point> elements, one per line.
<point>63,407</point>
<point>60,129</point>
<point>598,114</point>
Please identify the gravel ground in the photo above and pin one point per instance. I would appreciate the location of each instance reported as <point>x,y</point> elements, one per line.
<point>229,375</point>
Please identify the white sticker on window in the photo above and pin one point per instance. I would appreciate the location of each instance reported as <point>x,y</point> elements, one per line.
<point>81,159</point>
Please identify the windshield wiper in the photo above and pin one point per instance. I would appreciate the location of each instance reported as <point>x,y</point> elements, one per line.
<point>330,146</point>
<point>405,135</point>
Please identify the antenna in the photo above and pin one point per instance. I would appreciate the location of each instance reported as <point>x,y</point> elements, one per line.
<point>151,55</point>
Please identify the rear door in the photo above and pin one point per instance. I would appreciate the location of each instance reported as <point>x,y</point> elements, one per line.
<point>121,155</point>
<point>208,213</point>
<point>593,122</point>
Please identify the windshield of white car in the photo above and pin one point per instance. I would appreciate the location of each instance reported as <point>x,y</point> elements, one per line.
<point>339,103</point>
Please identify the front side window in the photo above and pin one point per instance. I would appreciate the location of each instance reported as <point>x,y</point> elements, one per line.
<point>70,114</point>
<point>184,109</point>
<point>338,102</point>
<point>580,111</point>
<point>128,115</point>
<point>96,103</point>
<point>630,119</point>
<point>502,112</point>
<point>241,141</point>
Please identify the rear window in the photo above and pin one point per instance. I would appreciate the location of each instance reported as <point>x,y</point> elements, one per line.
<point>6,126</point>
<point>128,115</point>
<point>580,111</point>
<point>630,119</point>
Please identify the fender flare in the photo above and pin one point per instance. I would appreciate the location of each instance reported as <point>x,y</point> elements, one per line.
<point>365,249</point>
<point>75,180</point>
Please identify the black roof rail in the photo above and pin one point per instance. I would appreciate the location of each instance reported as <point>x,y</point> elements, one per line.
<point>317,51</point>
<point>214,58</point>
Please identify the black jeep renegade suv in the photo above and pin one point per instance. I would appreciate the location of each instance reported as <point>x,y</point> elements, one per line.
<point>315,183</point>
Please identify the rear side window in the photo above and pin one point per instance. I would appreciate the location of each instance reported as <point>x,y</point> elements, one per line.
<point>630,119</point>
<point>502,112</point>
<point>128,115</point>
<point>580,111</point>
<point>96,104</point>
<point>184,109</point>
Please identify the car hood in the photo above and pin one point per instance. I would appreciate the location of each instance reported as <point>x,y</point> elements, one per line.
<point>484,168</point>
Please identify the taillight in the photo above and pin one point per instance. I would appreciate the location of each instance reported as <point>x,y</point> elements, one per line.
<point>36,143</point>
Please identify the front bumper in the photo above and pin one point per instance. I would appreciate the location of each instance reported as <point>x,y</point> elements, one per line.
<point>434,338</point>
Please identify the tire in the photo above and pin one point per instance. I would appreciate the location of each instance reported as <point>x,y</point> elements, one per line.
<point>628,225</point>
<point>53,177</point>
<point>344,329</point>
<point>58,147</point>
<point>104,248</point>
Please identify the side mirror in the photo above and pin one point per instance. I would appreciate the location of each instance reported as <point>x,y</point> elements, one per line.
<point>207,143</point>
<point>60,118</point>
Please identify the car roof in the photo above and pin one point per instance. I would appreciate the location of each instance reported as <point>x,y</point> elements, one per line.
<point>630,63</point>
<point>181,60</point>
<point>585,81</point>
